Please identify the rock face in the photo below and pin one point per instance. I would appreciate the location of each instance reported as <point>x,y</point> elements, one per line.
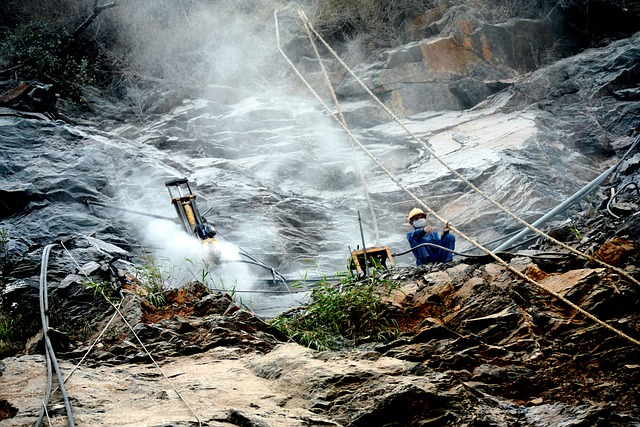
<point>461,55</point>
<point>462,61</point>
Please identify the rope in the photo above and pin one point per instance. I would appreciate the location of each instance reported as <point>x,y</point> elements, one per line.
<point>351,142</point>
<point>117,310</point>
<point>423,204</point>
<point>453,171</point>
<point>95,342</point>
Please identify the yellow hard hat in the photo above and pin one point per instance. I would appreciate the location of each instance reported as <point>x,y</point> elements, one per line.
<point>414,212</point>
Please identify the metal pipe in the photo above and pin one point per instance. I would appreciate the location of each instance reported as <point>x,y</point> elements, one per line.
<point>166,218</point>
<point>364,246</point>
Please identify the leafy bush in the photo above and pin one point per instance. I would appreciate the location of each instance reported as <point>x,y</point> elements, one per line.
<point>341,316</point>
<point>42,51</point>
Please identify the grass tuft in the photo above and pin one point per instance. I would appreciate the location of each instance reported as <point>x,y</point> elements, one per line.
<point>341,315</point>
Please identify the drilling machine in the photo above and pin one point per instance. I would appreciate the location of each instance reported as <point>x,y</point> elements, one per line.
<point>184,202</point>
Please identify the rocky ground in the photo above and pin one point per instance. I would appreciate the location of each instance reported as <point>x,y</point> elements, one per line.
<point>478,347</point>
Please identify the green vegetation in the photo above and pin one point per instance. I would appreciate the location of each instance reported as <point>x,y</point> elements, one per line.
<point>12,334</point>
<point>153,279</point>
<point>100,289</point>
<point>10,329</point>
<point>42,51</point>
<point>342,315</point>
<point>576,232</point>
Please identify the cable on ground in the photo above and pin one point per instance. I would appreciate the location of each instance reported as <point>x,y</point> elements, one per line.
<point>50,355</point>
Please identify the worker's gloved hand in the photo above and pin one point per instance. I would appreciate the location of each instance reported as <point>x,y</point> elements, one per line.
<point>446,228</point>
<point>428,229</point>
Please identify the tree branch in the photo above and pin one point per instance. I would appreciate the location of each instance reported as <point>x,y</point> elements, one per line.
<point>96,11</point>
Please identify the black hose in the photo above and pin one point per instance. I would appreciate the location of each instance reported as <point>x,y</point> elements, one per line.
<point>274,272</point>
<point>49,353</point>
<point>433,245</point>
<point>613,196</point>
<point>539,256</point>
<point>108,206</point>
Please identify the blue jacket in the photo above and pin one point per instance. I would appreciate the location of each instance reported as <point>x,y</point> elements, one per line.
<point>427,254</point>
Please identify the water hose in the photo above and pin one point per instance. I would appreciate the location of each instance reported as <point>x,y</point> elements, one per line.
<point>571,200</point>
<point>49,353</point>
<point>274,273</point>
<point>465,255</point>
<point>613,196</point>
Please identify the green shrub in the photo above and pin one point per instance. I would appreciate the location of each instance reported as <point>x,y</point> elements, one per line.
<point>44,52</point>
<point>341,316</point>
<point>14,330</point>
<point>10,328</point>
<point>100,289</point>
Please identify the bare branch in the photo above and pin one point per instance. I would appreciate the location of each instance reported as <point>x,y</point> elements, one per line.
<point>96,11</point>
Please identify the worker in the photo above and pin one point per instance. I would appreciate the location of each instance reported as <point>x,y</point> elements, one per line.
<point>423,233</point>
<point>204,230</point>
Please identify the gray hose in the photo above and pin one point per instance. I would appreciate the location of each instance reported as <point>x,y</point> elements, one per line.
<point>45,326</point>
<point>49,353</point>
<point>571,200</point>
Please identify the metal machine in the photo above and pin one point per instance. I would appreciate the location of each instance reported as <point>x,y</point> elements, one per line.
<point>362,260</point>
<point>184,202</point>
<point>377,257</point>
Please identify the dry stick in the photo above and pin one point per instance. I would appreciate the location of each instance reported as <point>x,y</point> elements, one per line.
<point>353,145</point>
<point>117,310</point>
<point>423,204</point>
<point>460,176</point>
<point>97,10</point>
